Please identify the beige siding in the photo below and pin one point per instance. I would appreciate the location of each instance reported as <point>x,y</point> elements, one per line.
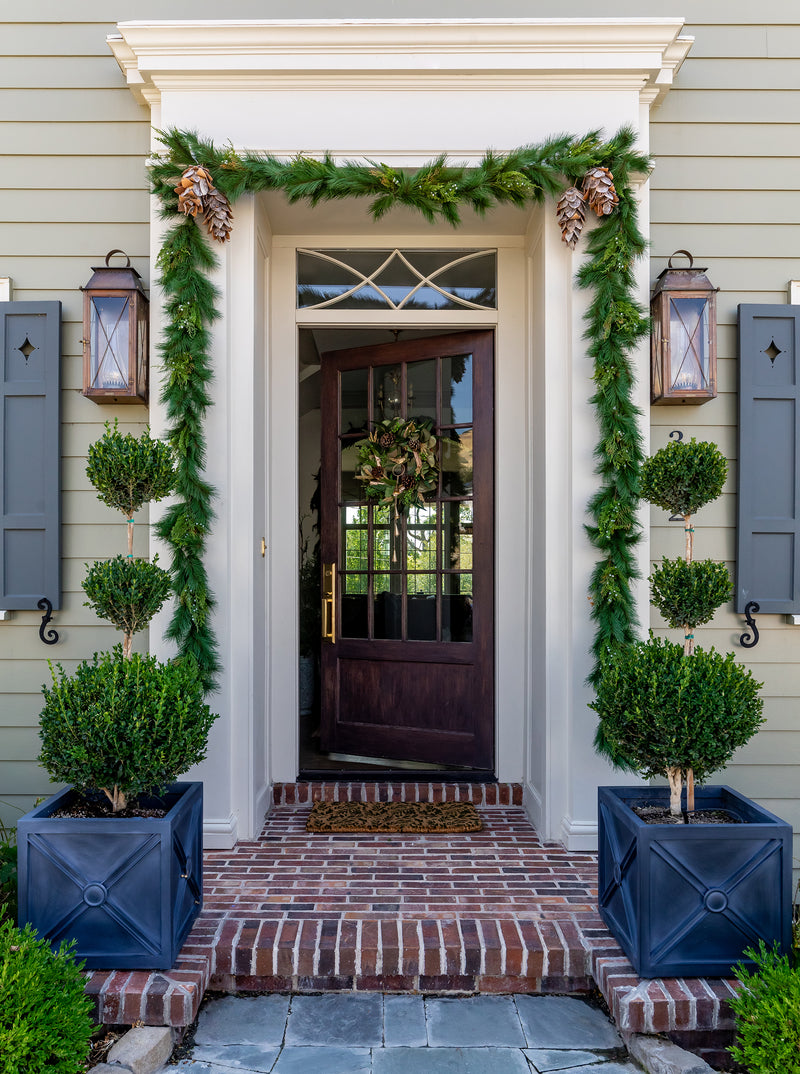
<point>727,146</point>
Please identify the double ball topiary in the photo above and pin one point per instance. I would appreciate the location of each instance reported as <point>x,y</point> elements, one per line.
<point>683,477</point>
<point>45,1025</point>
<point>124,727</point>
<point>688,594</point>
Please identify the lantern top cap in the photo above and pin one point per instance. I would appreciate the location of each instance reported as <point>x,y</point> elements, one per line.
<point>115,277</point>
<point>683,277</point>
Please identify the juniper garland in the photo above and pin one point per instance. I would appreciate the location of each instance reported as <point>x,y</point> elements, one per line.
<point>438,190</point>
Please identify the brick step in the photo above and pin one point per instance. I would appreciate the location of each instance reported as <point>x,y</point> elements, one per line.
<point>493,911</point>
<point>480,794</point>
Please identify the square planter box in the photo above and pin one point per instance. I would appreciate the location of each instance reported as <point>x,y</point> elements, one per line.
<point>126,889</point>
<point>684,900</point>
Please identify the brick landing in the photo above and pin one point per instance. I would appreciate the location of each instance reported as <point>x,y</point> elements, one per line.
<point>495,911</point>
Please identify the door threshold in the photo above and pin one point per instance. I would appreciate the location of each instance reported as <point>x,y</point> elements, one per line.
<point>396,775</point>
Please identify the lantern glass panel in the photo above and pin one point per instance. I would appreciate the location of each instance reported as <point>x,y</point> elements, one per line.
<point>109,341</point>
<point>141,349</point>
<point>690,344</point>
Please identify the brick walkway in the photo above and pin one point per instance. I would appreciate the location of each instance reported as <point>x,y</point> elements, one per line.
<point>496,911</point>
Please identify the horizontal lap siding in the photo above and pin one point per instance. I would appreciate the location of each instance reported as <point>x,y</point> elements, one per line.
<point>725,186</point>
<point>727,143</point>
<point>73,187</point>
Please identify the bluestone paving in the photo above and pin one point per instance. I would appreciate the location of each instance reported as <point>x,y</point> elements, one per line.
<point>351,1033</point>
<point>474,1022</point>
<point>449,1061</point>
<point>352,1020</point>
<point>404,1022</point>
<point>243,1020</point>
<point>565,1022</point>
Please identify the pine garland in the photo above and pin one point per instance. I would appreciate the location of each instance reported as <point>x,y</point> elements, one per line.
<point>614,325</point>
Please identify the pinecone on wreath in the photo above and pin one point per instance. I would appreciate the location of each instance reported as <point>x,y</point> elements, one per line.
<point>571,213</point>
<point>598,188</point>
<point>192,187</point>
<point>386,440</point>
<point>414,444</point>
<point>217,215</point>
<point>408,481</point>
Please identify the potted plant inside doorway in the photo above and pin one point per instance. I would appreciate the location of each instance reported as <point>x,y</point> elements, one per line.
<point>685,888</point>
<point>114,861</point>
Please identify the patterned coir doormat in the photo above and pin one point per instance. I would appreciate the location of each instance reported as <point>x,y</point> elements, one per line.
<point>393,817</point>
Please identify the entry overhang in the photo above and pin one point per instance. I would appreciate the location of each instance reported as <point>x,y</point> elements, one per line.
<point>641,54</point>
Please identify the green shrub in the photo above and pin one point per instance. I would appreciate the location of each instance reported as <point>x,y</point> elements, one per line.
<point>126,592</point>
<point>688,594</point>
<point>659,710</point>
<point>8,873</point>
<point>683,477</point>
<point>767,1012</point>
<point>45,1026</point>
<point>126,727</point>
<point>128,472</point>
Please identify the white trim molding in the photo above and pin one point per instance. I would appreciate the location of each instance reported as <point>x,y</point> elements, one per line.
<point>641,53</point>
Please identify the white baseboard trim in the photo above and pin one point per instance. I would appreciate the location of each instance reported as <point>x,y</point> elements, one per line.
<point>220,834</point>
<point>533,806</point>
<point>579,834</point>
<point>262,807</point>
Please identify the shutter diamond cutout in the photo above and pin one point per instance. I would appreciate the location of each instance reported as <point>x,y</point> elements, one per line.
<point>27,349</point>
<point>772,351</point>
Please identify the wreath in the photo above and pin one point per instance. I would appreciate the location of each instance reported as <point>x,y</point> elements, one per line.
<point>397,462</point>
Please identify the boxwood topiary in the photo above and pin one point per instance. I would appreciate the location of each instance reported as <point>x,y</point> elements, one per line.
<point>682,477</point>
<point>661,712</point>
<point>129,472</point>
<point>124,727</point>
<point>688,594</point>
<point>127,592</point>
<point>45,1025</point>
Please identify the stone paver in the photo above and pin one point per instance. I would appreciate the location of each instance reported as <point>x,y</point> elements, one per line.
<point>356,1033</point>
<point>563,1022</point>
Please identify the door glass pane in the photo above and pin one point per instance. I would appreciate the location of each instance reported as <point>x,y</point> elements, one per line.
<point>354,399</point>
<point>457,607</point>
<point>421,390</point>
<point>351,488</point>
<point>421,607</point>
<point>457,389</point>
<point>421,539</point>
<point>354,606</point>
<point>355,538</point>
<point>457,536</point>
<point>387,392</point>
<point>456,456</point>
<point>388,589</point>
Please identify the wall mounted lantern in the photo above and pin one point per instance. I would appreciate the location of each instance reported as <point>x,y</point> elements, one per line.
<point>115,334</point>
<point>683,339</point>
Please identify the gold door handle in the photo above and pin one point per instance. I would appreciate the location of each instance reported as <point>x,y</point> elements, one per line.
<point>329,602</point>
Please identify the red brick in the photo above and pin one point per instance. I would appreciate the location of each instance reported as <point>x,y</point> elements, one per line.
<point>513,947</point>
<point>285,964</point>
<point>493,951</point>
<point>307,950</point>
<point>260,983</point>
<point>390,961</point>
<point>446,983</point>
<point>503,985</point>
<point>369,948</point>
<point>389,983</point>
<point>683,1017</point>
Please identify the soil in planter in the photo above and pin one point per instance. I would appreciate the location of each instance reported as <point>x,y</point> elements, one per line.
<point>92,807</point>
<point>660,815</point>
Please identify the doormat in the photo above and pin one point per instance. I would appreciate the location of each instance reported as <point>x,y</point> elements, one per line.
<point>393,817</point>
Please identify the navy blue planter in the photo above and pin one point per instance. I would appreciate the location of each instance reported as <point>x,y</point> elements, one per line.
<point>126,889</point>
<point>684,900</point>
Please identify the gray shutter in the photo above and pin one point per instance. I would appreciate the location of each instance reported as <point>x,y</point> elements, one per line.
<point>30,497</point>
<point>768,535</point>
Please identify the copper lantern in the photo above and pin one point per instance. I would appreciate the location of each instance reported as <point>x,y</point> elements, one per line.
<point>115,334</point>
<point>683,340</point>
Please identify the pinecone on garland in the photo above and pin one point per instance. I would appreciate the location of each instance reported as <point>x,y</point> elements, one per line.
<point>598,188</point>
<point>571,213</point>
<point>192,187</point>
<point>217,215</point>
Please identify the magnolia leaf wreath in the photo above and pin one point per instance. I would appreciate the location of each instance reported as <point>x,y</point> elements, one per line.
<point>397,462</point>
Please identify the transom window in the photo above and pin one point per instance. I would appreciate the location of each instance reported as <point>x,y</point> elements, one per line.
<point>397,279</point>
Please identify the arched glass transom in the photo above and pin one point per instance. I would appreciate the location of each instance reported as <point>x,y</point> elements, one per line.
<point>397,279</point>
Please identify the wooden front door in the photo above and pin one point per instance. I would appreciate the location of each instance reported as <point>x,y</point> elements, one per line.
<point>407,664</point>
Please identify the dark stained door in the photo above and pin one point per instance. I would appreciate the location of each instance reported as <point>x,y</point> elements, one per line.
<point>407,667</point>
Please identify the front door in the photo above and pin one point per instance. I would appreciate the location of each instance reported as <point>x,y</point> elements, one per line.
<point>408,650</point>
